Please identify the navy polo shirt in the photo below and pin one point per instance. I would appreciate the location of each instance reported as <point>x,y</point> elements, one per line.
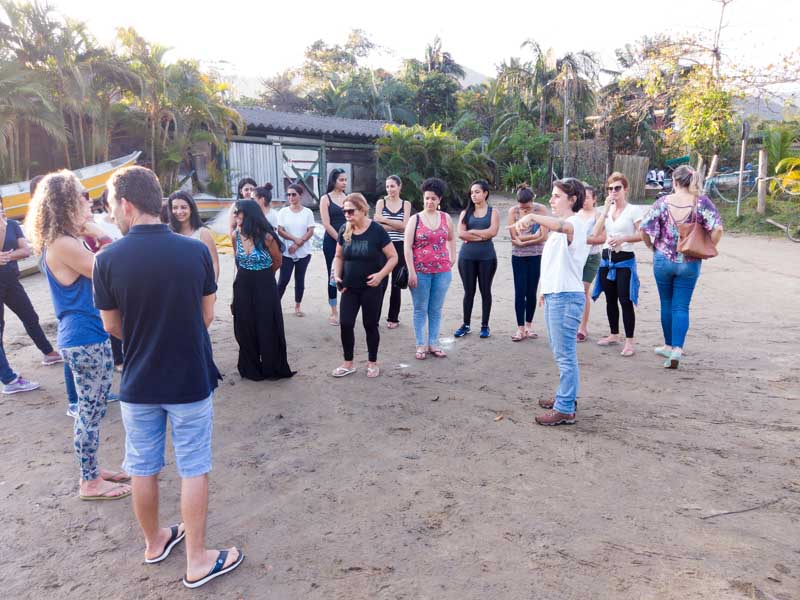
<point>157,280</point>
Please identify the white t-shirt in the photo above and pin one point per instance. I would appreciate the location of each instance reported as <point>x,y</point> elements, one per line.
<point>624,225</point>
<point>272,217</point>
<point>297,224</point>
<point>562,262</point>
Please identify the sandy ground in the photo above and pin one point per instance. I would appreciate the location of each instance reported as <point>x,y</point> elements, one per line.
<point>411,486</point>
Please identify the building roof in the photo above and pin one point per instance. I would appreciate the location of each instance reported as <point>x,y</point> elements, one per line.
<point>311,124</point>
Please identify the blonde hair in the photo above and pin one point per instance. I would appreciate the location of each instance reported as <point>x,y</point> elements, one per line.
<point>55,210</point>
<point>361,204</point>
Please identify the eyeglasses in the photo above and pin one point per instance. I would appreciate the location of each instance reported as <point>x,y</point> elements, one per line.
<point>290,194</point>
<point>349,211</point>
<point>614,188</point>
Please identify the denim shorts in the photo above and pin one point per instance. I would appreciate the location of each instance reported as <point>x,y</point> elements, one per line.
<point>146,432</point>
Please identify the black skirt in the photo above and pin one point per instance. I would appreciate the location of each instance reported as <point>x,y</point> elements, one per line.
<point>258,326</point>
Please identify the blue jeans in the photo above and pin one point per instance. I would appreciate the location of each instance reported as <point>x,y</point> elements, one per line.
<point>428,299</point>
<point>7,374</point>
<point>562,314</point>
<point>146,431</point>
<point>675,283</point>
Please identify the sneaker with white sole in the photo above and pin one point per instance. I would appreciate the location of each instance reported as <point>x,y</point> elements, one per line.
<point>20,385</point>
<point>52,359</point>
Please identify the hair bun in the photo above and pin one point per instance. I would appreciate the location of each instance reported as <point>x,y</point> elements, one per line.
<point>523,186</point>
<point>268,186</point>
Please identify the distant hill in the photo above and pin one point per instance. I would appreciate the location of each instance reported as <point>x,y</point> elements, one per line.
<point>472,78</point>
<point>768,110</point>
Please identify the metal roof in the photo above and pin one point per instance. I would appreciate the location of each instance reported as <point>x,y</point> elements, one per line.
<point>309,123</point>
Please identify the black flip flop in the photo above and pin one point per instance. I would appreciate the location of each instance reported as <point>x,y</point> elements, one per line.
<point>173,540</point>
<point>216,570</point>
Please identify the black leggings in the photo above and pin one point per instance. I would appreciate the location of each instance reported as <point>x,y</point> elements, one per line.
<point>394,291</point>
<point>299,267</point>
<point>618,291</point>
<point>369,301</point>
<point>13,295</point>
<point>480,272</point>
<point>329,250</point>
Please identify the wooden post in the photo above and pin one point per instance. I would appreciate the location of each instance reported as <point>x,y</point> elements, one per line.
<point>761,208</point>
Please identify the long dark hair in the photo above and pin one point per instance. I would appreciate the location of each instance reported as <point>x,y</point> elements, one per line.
<point>255,225</point>
<point>332,179</point>
<point>194,215</point>
<point>484,185</point>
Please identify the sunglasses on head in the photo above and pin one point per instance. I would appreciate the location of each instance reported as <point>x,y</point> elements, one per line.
<point>614,188</point>
<point>349,211</point>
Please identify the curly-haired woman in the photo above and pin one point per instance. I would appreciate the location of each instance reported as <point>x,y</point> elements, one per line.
<point>55,222</point>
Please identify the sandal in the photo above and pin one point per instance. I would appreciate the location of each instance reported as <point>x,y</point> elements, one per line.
<point>531,334</point>
<point>333,321</point>
<point>421,354</point>
<point>218,569</point>
<point>105,495</point>
<point>581,337</point>
<point>343,371</point>
<point>628,351</point>
<point>392,325</point>
<point>438,352</point>
<point>373,372</point>
<point>519,336</point>
<point>608,341</point>
<point>176,535</point>
<point>299,313</point>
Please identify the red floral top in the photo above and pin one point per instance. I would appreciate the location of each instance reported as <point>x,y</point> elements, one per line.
<point>430,247</point>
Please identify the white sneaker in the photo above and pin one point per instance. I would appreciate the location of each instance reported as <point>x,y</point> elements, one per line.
<point>20,385</point>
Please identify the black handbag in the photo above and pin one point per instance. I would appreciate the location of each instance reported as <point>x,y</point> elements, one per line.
<point>400,281</point>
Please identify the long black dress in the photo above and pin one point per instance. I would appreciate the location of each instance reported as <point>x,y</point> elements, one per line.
<point>257,318</point>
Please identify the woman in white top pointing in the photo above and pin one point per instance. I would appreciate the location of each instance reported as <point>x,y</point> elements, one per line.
<point>562,292</point>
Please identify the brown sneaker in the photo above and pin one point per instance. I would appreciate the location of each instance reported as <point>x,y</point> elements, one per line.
<point>552,417</point>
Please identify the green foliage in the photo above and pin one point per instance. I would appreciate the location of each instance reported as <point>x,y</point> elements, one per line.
<point>416,153</point>
<point>778,142</point>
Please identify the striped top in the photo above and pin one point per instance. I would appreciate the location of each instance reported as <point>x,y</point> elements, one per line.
<point>395,236</point>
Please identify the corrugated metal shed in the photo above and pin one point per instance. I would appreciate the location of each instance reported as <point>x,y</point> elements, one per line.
<point>305,123</point>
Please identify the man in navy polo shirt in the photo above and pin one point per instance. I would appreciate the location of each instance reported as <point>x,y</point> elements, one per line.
<point>155,290</point>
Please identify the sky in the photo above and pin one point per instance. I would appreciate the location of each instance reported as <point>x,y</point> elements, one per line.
<point>259,39</point>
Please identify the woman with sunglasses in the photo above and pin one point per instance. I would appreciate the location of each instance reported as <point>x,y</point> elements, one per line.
<point>184,218</point>
<point>617,276</point>
<point>526,261</point>
<point>364,258</point>
<point>296,227</point>
<point>257,316</point>
<point>330,212</point>
<point>392,214</point>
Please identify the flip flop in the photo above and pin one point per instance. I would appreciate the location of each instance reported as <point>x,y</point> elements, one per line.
<point>373,372</point>
<point>531,334</point>
<point>216,570</point>
<point>299,313</point>
<point>333,321</point>
<point>421,354</point>
<point>105,496</point>
<point>518,337</point>
<point>628,352</point>
<point>438,353</point>
<point>581,337</point>
<point>174,539</point>
<point>606,342</point>
<point>118,477</point>
<point>343,371</point>
<point>392,325</point>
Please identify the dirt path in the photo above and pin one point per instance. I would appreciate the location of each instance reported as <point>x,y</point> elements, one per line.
<point>410,486</point>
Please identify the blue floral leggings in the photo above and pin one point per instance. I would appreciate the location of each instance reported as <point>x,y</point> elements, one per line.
<point>93,369</point>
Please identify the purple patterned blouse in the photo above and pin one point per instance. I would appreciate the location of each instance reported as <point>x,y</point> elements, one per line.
<point>658,224</point>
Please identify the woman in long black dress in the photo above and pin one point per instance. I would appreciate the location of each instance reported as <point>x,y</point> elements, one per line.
<point>257,316</point>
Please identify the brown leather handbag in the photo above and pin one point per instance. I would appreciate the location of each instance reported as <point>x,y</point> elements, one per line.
<point>694,240</point>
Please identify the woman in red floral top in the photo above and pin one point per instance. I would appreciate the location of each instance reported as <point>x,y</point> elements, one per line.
<point>430,248</point>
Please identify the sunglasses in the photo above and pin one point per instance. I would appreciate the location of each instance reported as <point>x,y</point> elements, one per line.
<point>290,194</point>
<point>349,211</point>
<point>614,188</point>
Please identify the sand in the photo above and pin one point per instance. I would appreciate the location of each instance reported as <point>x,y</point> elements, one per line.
<point>433,482</point>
